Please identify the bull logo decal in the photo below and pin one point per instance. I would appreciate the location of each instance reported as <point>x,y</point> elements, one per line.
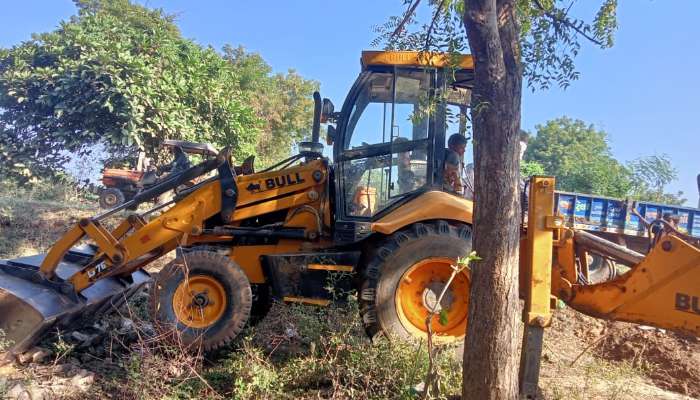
<point>687,303</point>
<point>275,183</point>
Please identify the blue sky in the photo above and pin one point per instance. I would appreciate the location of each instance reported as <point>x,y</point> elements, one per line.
<point>643,92</point>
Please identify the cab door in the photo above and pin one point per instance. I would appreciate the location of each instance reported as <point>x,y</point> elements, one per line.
<point>386,137</point>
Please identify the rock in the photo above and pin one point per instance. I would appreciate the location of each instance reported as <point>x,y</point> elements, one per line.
<point>62,369</point>
<point>83,379</point>
<point>24,358</point>
<point>101,326</point>
<point>84,339</point>
<point>18,392</point>
<point>38,393</point>
<point>35,354</point>
<point>148,328</point>
<point>41,355</point>
<point>419,388</point>
<point>127,325</point>
<point>291,332</point>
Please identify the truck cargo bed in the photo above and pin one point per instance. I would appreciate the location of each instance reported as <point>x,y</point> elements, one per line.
<point>605,214</point>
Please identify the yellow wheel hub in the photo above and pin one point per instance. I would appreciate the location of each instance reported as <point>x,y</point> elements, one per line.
<point>199,301</point>
<point>418,291</point>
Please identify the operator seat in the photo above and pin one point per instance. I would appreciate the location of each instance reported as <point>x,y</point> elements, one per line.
<point>149,178</point>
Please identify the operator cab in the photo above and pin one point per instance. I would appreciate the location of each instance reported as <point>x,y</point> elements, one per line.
<point>390,136</point>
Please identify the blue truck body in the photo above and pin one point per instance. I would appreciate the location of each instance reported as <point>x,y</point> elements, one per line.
<point>605,214</point>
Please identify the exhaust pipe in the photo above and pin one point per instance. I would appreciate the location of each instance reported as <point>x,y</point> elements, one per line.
<point>316,129</point>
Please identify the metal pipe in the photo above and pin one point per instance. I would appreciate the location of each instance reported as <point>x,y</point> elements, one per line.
<point>316,129</point>
<point>295,233</point>
<point>698,190</point>
<point>607,248</point>
<point>170,183</point>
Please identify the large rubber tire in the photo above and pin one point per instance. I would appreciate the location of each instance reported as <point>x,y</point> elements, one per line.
<point>382,299</point>
<point>600,269</point>
<point>228,289</point>
<point>111,197</point>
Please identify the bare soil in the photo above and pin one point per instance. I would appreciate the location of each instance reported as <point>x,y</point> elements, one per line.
<point>670,360</point>
<point>588,358</point>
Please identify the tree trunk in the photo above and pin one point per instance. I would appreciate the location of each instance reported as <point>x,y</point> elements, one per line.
<point>491,345</point>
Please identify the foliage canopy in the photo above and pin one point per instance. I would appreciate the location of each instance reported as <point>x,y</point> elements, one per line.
<point>550,33</point>
<point>579,156</point>
<point>122,74</point>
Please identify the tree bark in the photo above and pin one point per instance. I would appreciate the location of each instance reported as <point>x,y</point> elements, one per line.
<point>491,344</point>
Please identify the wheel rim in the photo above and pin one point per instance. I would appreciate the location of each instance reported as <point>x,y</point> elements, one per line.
<point>199,301</point>
<point>110,199</point>
<point>419,289</point>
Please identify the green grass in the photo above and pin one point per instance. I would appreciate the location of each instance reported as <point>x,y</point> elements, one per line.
<point>296,352</point>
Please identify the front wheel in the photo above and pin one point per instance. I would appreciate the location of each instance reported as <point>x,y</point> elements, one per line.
<point>203,297</point>
<point>407,275</point>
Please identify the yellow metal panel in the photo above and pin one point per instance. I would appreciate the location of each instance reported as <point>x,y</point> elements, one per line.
<point>248,257</point>
<point>190,211</point>
<point>122,229</point>
<point>416,59</point>
<point>430,205</point>
<point>267,185</point>
<point>564,268</point>
<point>272,205</point>
<point>102,238</point>
<point>59,249</point>
<point>663,290</point>
<point>306,300</point>
<point>538,261</point>
<point>330,267</point>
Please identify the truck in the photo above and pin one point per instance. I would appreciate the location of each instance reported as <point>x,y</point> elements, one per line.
<point>612,218</point>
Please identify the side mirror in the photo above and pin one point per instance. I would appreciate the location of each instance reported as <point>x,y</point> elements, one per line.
<point>330,135</point>
<point>327,110</point>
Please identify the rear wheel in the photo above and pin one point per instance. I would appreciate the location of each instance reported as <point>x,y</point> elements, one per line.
<point>600,269</point>
<point>205,298</point>
<point>405,278</point>
<point>111,197</point>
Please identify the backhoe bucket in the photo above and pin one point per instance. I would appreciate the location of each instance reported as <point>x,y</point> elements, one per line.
<point>29,308</point>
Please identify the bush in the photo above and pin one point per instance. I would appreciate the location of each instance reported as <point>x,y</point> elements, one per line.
<point>305,352</point>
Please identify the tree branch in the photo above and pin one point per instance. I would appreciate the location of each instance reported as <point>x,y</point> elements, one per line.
<point>567,22</point>
<point>432,24</point>
<point>409,12</point>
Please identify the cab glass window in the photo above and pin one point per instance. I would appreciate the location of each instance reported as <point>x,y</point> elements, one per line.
<point>390,110</point>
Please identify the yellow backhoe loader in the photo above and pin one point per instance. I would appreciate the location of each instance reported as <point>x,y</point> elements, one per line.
<point>379,221</point>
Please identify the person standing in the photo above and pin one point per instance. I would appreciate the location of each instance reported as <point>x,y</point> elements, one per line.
<point>458,177</point>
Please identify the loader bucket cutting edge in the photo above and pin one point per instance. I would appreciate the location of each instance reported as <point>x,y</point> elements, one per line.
<point>28,310</point>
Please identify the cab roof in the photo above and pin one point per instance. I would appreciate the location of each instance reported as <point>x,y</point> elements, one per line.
<point>415,59</point>
<point>204,149</point>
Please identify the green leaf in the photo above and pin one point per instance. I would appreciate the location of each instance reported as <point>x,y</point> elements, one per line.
<point>442,319</point>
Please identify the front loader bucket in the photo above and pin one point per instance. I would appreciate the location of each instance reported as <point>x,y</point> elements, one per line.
<point>30,308</point>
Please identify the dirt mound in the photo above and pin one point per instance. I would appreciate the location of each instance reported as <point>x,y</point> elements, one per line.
<point>671,360</point>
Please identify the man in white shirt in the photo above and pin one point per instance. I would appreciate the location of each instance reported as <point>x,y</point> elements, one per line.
<point>458,177</point>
